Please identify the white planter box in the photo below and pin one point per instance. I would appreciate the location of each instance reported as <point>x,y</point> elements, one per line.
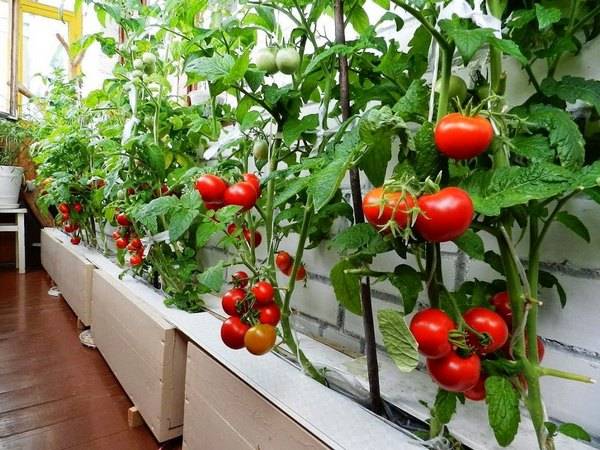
<point>70,270</point>
<point>145,352</point>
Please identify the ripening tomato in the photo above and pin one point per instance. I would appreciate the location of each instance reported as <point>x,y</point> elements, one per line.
<point>240,279</point>
<point>455,373</point>
<point>64,208</point>
<point>263,292</point>
<point>116,235</point>
<point>489,323</point>
<point>283,261</point>
<point>233,331</point>
<point>123,220</point>
<point>77,207</point>
<point>232,300</point>
<point>241,194</point>
<point>260,150</point>
<point>211,188</point>
<point>462,137</point>
<point>260,339</point>
<point>75,240</point>
<point>477,392</point>
<point>121,243</point>
<point>444,215</point>
<point>501,303</point>
<point>430,327</point>
<point>380,207</point>
<point>135,260</point>
<point>253,180</point>
<point>269,314</point>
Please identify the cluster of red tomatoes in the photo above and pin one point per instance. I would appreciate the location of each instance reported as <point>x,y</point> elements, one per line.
<point>253,315</point>
<point>442,216</point>
<point>216,192</point>
<point>285,263</point>
<point>70,225</point>
<point>124,239</point>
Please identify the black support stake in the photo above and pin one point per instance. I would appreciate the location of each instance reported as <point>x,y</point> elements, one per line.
<point>365,291</point>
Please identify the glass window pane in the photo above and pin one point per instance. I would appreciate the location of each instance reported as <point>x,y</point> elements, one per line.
<point>66,5</point>
<point>4,56</point>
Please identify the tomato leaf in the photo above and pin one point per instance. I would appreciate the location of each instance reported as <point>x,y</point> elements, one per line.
<point>398,340</point>
<point>534,148</point>
<point>408,281</point>
<point>414,104</point>
<point>574,224</point>
<point>292,187</point>
<point>472,244</point>
<point>571,89</point>
<point>213,277</point>
<point>546,16</point>
<point>427,158</point>
<point>205,231</point>
<point>503,408</point>
<point>181,222</point>
<point>293,128</point>
<point>211,68</point>
<point>574,431</point>
<point>549,281</point>
<point>346,286</point>
<point>360,238</point>
<point>444,406</point>
<point>375,161</point>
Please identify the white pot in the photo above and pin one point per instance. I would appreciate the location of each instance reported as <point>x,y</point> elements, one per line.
<point>10,185</point>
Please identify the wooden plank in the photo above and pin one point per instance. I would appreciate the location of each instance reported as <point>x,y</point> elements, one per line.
<point>134,418</point>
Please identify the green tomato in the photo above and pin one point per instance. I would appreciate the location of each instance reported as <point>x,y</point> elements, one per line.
<point>458,88</point>
<point>148,58</point>
<point>136,74</point>
<point>260,150</point>
<point>288,60</point>
<point>138,64</point>
<point>265,60</point>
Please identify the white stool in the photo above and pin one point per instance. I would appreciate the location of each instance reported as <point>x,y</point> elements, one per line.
<point>18,228</point>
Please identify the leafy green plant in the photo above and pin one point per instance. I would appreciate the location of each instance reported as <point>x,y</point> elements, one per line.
<point>12,136</point>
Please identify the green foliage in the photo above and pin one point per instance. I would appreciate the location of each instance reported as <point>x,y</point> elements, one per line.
<point>503,408</point>
<point>398,340</point>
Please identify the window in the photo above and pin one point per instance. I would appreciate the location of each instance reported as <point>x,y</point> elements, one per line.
<point>6,68</point>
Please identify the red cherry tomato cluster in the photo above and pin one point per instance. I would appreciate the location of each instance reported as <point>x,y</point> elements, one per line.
<point>463,137</point>
<point>442,216</point>
<point>285,263</point>
<point>253,316</point>
<point>216,193</point>
<point>433,329</point>
<point>70,223</point>
<point>232,228</point>
<point>125,239</point>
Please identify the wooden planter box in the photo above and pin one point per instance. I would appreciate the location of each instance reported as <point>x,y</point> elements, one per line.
<point>229,414</point>
<point>71,272</point>
<point>145,352</point>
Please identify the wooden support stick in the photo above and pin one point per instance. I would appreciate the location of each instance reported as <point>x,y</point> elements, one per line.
<point>134,418</point>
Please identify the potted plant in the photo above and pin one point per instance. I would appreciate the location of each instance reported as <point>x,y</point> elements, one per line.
<point>12,136</point>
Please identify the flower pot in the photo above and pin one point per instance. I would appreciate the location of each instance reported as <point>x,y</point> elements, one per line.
<point>10,185</point>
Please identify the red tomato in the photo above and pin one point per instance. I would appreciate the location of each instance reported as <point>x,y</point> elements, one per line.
<point>77,207</point>
<point>240,279</point>
<point>121,243</point>
<point>269,314</point>
<point>455,373</point>
<point>232,300</point>
<point>116,235</point>
<point>444,215</point>
<point>260,339</point>
<point>283,261</point>
<point>69,228</point>
<point>65,216</point>
<point>134,245</point>
<point>64,208</point>
<point>301,274</point>
<point>489,323</point>
<point>135,260</point>
<point>233,331</point>
<point>430,327</point>
<point>501,302</point>
<point>540,348</point>
<point>75,227</point>
<point>477,392</point>
<point>241,194</point>
<point>380,207</point>
<point>164,188</point>
<point>253,180</point>
<point>213,205</point>
<point>263,291</point>
<point>231,228</point>
<point>463,137</point>
<point>123,220</point>
<point>75,240</point>
<point>248,237</point>
<point>211,188</point>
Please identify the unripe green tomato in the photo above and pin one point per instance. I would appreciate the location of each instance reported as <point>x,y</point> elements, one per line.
<point>265,60</point>
<point>136,74</point>
<point>457,88</point>
<point>149,69</point>
<point>287,60</point>
<point>483,91</point>
<point>148,58</point>
<point>260,150</point>
<point>121,194</point>
<point>138,64</point>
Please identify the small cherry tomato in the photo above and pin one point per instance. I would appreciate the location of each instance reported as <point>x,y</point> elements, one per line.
<point>462,137</point>
<point>121,243</point>
<point>444,215</point>
<point>380,207</point>
<point>540,348</point>
<point>455,373</point>
<point>211,188</point>
<point>116,235</point>
<point>477,392</point>
<point>263,292</point>
<point>283,261</point>
<point>123,220</point>
<point>253,180</point>
<point>233,331</point>
<point>486,322</point>
<point>65,216</point>
<point>232,301</point>
<point>135,260</point>
<point>75,240</point>
<point>269,314</point>
<point>248,237</point>
<point>77,207</point>
<point>69,228</point>
<point>287,60</point>
<point>241,194</point>
<point>260,339</point>
<point>240,279</point>
<point>64,208</point>
<point>501,303</point>
<point>265,60</point>
<point>135,244</point>
<point>430,327</point>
